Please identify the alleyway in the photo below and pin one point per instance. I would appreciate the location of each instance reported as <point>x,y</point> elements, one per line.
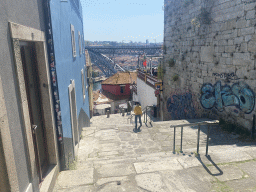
<point>113,159</point>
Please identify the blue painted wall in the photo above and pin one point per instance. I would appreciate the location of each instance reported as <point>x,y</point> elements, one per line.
<point>63,14</point>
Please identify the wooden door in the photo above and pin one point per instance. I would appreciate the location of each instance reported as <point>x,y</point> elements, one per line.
<point>30,68</point>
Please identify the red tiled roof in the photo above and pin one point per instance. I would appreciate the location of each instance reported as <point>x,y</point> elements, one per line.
<point>121,78</point>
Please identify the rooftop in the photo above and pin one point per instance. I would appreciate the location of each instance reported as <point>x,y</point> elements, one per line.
<point>121,78</point>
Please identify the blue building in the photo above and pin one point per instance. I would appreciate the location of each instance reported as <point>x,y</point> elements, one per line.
<point>64,21</point>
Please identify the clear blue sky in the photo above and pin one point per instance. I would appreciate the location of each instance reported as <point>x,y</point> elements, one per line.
<point>118,20</point>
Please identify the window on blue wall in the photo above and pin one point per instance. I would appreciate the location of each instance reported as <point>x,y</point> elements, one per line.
<point>83,84</point>
<point>83,44</point>
<point>80,43</point>
<point>73,40</point>
<point>86,77</point>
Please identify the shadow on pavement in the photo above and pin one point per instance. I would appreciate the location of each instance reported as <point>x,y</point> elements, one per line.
<point>206,168</point>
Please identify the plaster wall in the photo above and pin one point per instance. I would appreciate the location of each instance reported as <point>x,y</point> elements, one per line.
<point>17,12</point>
<point>63,15</point>
<point>116,89</point>
<point>209,58</point>
<point>145,94</point>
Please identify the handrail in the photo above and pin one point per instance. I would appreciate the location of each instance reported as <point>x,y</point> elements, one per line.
<point>145,113</point>
<point>199,124</point>
<point>134,115</point>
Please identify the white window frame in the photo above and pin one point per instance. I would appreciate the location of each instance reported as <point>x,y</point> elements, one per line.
<point>73,40</point>
<point>83,84</point>
<point>80,43</point>
<point>83,50</point>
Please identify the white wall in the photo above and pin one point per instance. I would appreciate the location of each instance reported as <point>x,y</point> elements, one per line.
<point>135,97</point>
<point>146,94</point>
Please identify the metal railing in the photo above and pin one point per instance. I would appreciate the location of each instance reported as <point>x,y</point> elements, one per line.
<point>199,124</point>
<point>146,116</point>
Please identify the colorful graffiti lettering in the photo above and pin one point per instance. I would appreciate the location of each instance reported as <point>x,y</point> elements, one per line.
<point>181,107</point>
<point>239,95</point>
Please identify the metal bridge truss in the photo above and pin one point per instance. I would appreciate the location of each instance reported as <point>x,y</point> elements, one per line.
<point>99,54</point>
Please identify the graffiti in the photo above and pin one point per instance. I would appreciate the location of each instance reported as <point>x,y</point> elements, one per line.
<point>181,106</point>
<point>239,95</point>
<point>231,76</point>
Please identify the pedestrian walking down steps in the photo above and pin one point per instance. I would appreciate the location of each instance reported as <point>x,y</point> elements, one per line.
<point>138,113</point>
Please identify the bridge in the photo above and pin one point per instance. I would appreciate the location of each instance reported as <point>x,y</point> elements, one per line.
<point>98,55</point>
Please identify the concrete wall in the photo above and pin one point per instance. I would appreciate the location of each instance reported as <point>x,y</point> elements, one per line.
<point>116,89</point>
<point>209,59</point>
<point>145,94</point>
<point>63,15</point>
<point>17,12</point>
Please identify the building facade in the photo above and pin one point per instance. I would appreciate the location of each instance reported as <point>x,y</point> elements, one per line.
<point>118,89</point>
<point>28,143</point>
<point>89,81</point>
<point>68,69</point>
<point>209,60</point>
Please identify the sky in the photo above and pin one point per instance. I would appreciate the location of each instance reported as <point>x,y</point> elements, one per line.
<point>123,21</point>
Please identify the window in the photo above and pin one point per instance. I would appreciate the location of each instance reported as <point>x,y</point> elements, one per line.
<point>83,45</point>
<point>80,43</point>
<point>83,84</point>
<point>122,88</point>
<point>73,40</point>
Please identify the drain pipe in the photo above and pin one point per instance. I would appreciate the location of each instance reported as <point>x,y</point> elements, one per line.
<point>253,126</point>
<point>54,82</point>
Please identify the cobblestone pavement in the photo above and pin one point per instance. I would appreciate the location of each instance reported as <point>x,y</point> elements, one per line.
<point>112,158</point>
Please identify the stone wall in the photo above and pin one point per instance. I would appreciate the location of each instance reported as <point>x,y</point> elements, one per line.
<point>209,60</point>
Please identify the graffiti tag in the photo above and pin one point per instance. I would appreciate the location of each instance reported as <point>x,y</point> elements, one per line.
<point>226,75</point>
<point>181,107</point>
<point>239,95</point>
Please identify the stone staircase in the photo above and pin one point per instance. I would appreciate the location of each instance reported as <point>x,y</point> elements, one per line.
<point>112,157</point>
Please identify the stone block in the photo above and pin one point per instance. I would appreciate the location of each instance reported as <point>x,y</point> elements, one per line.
<point>230,172</point>
<point>207,54</point>
<point>248,38</point>
<point>252,46</point>
<point>245,184</point>
<point>230,49</point>
<point>244,56</point>
<point>75,178</point>
<point>247,31</point>
<point>252,74</point>
<point>243,48</point>
<point>193,179</point>
<point>242,72</point>
<point>241,24</point>
<point>225,55</point>
<point>249,6</point>
<point>238,40</point>
<point>115,170</point>
<point>222,61</point>
<point>223,42</point>
<point>145,167</point>
<point>230,42</point>
<point>221,49</point>
<point>229,61</point>
<point>151,182</point>
<point>250,14</point>
<point>231,24</point>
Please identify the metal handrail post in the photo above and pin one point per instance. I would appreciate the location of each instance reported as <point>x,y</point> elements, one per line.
<point>198,138</point>
<point>174,130</point>
<point>207,141</point>
<point>181,136</point>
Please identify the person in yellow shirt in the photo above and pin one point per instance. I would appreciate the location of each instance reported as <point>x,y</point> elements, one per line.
<point>138,113</point>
